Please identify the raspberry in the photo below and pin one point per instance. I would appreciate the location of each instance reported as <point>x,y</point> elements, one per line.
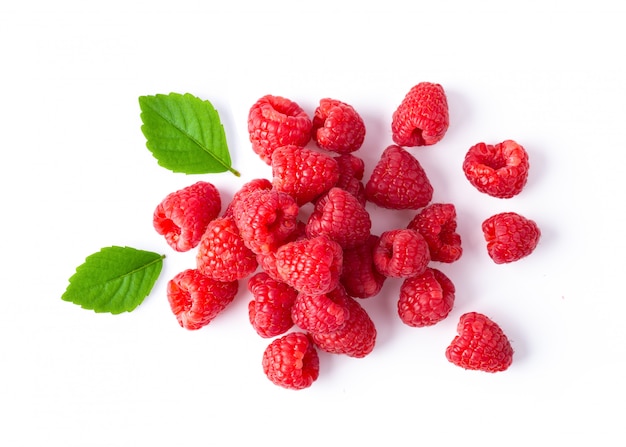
<point>291,361</point>
<point>222,254</point>
<point>350,166</point>
<point>359,275</point>
<point>247,188</point>
<point>310,265</point>
<point>356,188</point>
<point>267,261</point>
<point>337,126</point>
<point>425,299</point>
<point>196,299</point>
<point>183,215</point>
<point>421,119</point>
<point>303,173</point>
<point>355,338</point>
<point>266,218</point>
<point>499,170</point>
<point>322,313</point>
<point>398,181</point>
<point>401,253</point>
<point>270,310</point>
<point>437,224</point>
<point>351,170</point>
<point>274,121</point>
<point>510,237</point>
<point>341,217</point>
<point>481,345</point>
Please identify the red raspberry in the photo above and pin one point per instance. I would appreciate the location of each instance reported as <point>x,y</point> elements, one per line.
<point>510,237</point>
<point>350,166</point>
<point>422,117</point>
<point>341,217</point>
<point>357,336</point>
<point>351,170</point>
<point>401,253</point>
<point>320,313</point>
<point>359,275</point>
<point>310,265</point>
<point>425,299</point>
<point>274,121</point>
<point>183,215</point>
<point>398,181</point>
<point>267,261</point>
<point>499,170</point>
<point>337,126</point>
<point>196,299</point>
<point>270,310</point>
<point>266,218</point>
<point>247,188</point>
<point>222,254</point>
<point>437,223</point>
<point>356,188</point>
<point>481,345</point>
<point>303,173</point>
<point>291,361</point>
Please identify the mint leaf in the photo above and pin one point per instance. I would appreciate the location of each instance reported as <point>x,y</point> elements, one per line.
<point>114,280</point>
<point>185,134</point>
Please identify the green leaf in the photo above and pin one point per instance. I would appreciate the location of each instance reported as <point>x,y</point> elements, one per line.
<point>114,280</point>
<point>184,133</point>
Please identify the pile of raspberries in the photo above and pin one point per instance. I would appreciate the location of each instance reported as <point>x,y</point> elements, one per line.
<point>307,271</point>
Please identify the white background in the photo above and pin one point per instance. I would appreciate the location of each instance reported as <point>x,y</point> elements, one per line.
<point>77,177</point>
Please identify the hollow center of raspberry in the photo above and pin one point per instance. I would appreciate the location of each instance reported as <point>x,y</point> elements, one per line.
<point>284,111</point>
<point>496,162</point>
<point>169,228</point>
<point>417,137</point>
<point>280,224</point>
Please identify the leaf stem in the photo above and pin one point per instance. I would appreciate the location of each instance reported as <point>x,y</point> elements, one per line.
<point>235,172</point>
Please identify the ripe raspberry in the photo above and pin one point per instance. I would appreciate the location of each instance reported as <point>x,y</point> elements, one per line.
<point>274,121</point>
<point>350,166</point>
<point>356,188</point>
<point>401,253</point>
<point>398,181</point>
<point>247,188</point>
<point>421,119</point>
<point>267,261</point>
<point>357,336</point>
<point>322,313</point>
<point>196,299</point>
<point>437,223</point>
<point>510,237</point>
<point>222,254</point>
<point>359,275</point>
<point>337,126</point>
<point>341,217</point>
<point>310,265</point>
<point>425,299</point>
<point>303,173</point>
<point>270,309</point>
<point>481,345</point>
<point>183,215</point>
<point>499,170</point>
<point>351,171</point>
<point>266,218</point>
<point>291,361</point>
